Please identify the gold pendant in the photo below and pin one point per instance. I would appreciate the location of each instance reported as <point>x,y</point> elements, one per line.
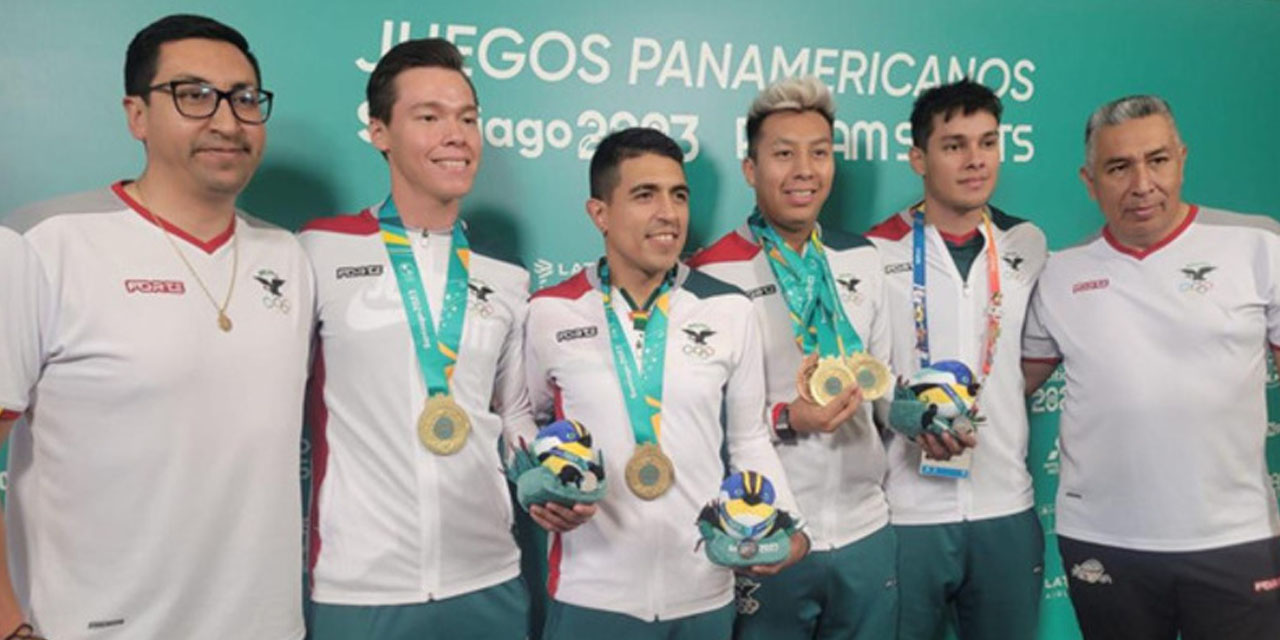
<point>649,472</point>
<point>224,322</point>
<point>870,374</point>
<point>443,426</point>
<point>829,379</point>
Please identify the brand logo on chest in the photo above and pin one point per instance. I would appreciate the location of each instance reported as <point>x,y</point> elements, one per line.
<point>172,287</point>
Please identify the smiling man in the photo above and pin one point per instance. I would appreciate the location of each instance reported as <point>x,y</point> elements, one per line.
<point>663,365</point>
<point>418,373</point>
<point>1166,515</point>
<point>818,293</point>
<point>959,277</point>
<point>154,472</point>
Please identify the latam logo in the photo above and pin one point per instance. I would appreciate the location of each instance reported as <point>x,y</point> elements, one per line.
<point>1090,285</point>
<point>155,286</point>
<point>1270,584</point>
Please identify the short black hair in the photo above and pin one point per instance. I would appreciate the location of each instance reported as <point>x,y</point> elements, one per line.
<point>963,96</point>
<point>143,55</point>
<point>380,92</point>
<point>624,145</point>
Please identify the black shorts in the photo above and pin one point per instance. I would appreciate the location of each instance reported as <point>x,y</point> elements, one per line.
<point>1229,593</point>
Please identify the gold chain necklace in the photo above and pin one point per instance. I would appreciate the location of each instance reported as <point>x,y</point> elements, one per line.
<point>224,321</point>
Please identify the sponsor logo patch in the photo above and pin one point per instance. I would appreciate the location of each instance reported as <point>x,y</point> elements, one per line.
<point>175,287</point>
<point>1090,285</point>
<point>361,271</point>
<point>577,333</point>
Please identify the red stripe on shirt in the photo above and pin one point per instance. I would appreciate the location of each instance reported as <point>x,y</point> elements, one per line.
<point>731,248</point>
<point>360,224</point>
<point>894,228</point>
<point>209,246</point>
<point>318,418</point>
<point>1043,360</point>
<point>553,565</point>
<point>571,289</point>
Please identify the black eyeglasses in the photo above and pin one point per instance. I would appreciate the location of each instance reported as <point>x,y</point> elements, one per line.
<point>200,100</point>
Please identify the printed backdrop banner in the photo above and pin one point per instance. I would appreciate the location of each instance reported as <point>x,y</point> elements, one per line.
<point>554,77</point>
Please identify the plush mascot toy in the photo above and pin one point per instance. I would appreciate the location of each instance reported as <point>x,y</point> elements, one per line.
<point>936,399</point>
<point>561,467</point>
<point>742,527</point>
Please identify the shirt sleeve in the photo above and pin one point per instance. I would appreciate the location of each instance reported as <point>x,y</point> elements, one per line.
<point>510,389</point>
<point>1038,343</point>
<point>540,388</point>
<point>746,431</point>
<point>23,296</point>
<point>881,346</point>
<point>1270,278</point>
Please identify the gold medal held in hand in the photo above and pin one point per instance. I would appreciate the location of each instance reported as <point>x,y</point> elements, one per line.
<point>650,472</point>
<point>831,377</point>
<point>870,374</point>
<point>443,426</point>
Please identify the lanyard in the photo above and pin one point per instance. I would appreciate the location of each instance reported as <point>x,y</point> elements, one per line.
<point>817,318</point>
<point>437,350</point>
<point>918,294</point>
<point>642,391</point>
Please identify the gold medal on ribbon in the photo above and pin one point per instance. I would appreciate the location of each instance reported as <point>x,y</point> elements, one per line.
<point>650,472</point>
<point>870,374</point>
<point>443,426</point>
<point>831,377</point>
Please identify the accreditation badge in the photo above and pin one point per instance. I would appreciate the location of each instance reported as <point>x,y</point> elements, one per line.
<point>649,472</point>
<point>443,426</point>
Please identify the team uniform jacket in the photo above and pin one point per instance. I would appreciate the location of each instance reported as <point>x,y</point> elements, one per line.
<point>635,557</point>
<point>154,477</point>
<point>998,483</point>
<point>1164,434</point>
<point>836,477</point>
<point>394,523</point>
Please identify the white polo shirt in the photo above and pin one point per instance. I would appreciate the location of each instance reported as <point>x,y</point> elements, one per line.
<point>836,476</point>
<point>394,523</point>
<point>154,489</point>
<point>1164,350</point>
<point>635,557</point>
<point>998,483</point>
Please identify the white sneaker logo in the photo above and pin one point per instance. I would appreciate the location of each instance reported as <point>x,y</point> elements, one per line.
<point>1091,571</point>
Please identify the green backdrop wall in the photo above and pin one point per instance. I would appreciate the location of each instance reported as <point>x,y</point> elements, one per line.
<point>554,76</point>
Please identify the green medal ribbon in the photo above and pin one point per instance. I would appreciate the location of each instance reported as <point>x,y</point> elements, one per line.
<point>817,318</point>
<point>437,350</point>
<point>642,391</point>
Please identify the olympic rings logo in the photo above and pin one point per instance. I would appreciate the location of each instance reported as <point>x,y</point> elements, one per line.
<point>279,303</point>
<point>1199,286</point>
<point>702,351</point>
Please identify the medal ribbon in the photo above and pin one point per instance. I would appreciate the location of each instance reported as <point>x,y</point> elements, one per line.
<point>437,350</point>
<point>641,390</point>
<point>817,318</point>
<point>918,295</point>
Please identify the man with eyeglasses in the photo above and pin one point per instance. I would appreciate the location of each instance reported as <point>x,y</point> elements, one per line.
<point>155,342</point>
